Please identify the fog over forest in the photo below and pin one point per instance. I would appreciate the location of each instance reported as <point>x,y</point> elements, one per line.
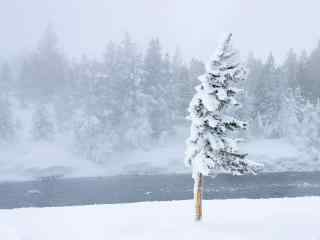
<point>84,27</point>
<point>99,94</point>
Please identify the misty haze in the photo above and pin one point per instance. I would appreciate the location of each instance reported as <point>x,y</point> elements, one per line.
<point>128,103</point>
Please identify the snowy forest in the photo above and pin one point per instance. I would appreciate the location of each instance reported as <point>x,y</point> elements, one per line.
<point>162,120</point>
<point>135,97</point>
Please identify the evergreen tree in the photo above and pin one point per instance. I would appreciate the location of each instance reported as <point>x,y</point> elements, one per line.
<point>94,121</point>
<point>6,80</point>
<point>168,74</point>
<point>252,89</point>
<point>7,126</point>
<point>181,86</point>
<point>178,85</point>
<point>289,124</point>
<point>44,72</point>
<point>268,96</point>
<point>211,149</point>
<point>135,108</point>
<point>302,70</point>
<point>154,86</point>
<point>94,140</point>
<point>185,91</point>
<point>43,126</point>
<point>310,130</point>
<point>290,68</point>
<point>312,83</point>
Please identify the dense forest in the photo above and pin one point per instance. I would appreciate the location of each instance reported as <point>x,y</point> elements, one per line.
<point>131,97</point>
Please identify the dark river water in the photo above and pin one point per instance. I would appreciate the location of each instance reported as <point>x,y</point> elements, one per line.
<point>136,188</point>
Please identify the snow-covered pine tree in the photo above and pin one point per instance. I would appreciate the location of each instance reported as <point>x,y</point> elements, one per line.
<point>288,121</point>
<point>302,74</point>
<point>155,85</point>
<point>44,73</point>
<point>210,148</point>
<point>43,127</point>
<point>267,97</point>
<point>310,131</point>
<point>94,139</point>
<point>135,109</point>
<point>250,96</point>
<point>290,69</point>
<point>7,126</point>
<point>6,80</point>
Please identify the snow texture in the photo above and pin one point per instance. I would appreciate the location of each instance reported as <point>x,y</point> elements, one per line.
<point>265,219</point>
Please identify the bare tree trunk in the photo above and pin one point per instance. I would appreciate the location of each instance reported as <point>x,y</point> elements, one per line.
<point>198,190</point>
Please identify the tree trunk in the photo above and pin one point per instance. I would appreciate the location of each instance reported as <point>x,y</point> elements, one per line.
<point>198,190</point>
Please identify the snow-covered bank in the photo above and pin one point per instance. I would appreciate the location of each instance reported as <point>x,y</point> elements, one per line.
<point>34,160</point>
<point>295,218</point>
<point>279,155</point>
<point>276,155</point>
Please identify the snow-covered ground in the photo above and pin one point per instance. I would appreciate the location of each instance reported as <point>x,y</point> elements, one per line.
<point>36,160</point>
<point>278,155</point>
<point>29,160</point>
<point>275,154</point>
<point>295,218</point>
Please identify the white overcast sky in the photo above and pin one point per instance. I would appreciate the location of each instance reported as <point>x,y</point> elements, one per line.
<point>85,26</point>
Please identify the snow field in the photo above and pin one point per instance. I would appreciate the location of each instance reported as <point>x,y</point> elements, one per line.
<point>295,218</point>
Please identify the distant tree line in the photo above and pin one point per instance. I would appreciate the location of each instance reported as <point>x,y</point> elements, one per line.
<point>126,100</point>
<point>130,98</point>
